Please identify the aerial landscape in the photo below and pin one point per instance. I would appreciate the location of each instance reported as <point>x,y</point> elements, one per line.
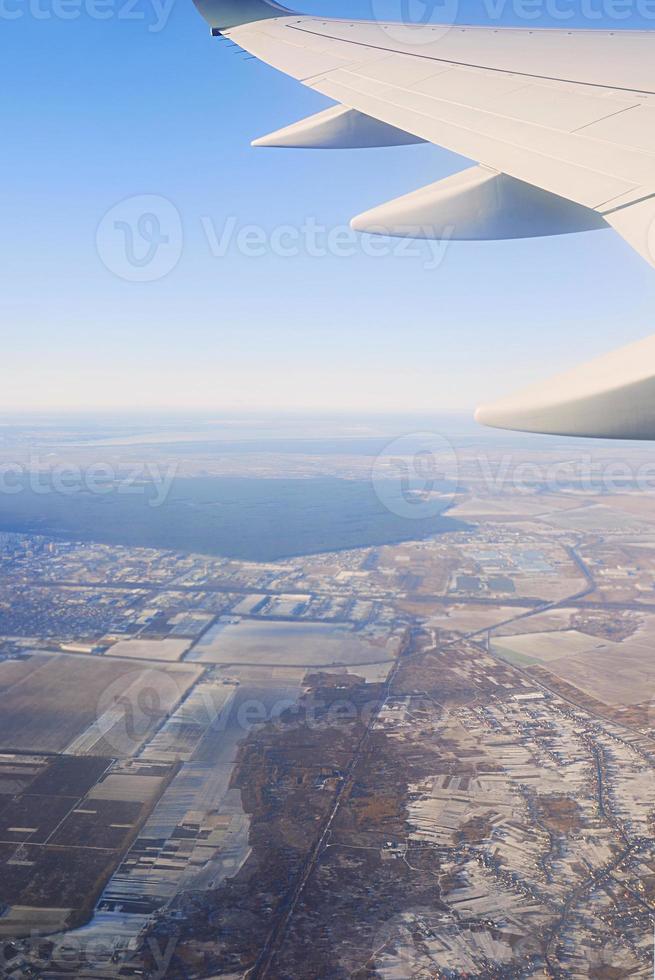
<point>427,756</point>
<point>327,490</point>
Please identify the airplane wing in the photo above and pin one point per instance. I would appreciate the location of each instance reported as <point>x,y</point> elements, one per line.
<point>559,124</point>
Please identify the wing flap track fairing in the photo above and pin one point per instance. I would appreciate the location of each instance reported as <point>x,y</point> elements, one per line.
<point>338,128</point>
<point>478,204</point>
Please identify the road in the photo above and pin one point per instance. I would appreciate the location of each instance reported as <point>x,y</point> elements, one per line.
<point>276,936</point>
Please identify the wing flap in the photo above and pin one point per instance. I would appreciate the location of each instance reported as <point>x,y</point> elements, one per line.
<point>616,169</point>
<point>559,108</point>
<point>560,176</point>
<point>635,127</point>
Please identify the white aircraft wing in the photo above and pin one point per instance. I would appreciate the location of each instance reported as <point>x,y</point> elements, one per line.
<point>560,125</point>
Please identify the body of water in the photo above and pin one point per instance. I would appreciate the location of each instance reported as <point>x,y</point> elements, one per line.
<point>247,518</point>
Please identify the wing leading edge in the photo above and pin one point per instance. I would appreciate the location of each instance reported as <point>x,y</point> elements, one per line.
<point>561,123</point>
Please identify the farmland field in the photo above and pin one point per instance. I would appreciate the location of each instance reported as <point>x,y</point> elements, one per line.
<point>615,672</point>
<point>289,644</point>
<point>545,647</point>
<point>57,697</point>
<point>63,832</point>
<point>170,649</point>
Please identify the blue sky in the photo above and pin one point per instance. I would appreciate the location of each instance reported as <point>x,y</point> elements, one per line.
<point>141,101</point>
